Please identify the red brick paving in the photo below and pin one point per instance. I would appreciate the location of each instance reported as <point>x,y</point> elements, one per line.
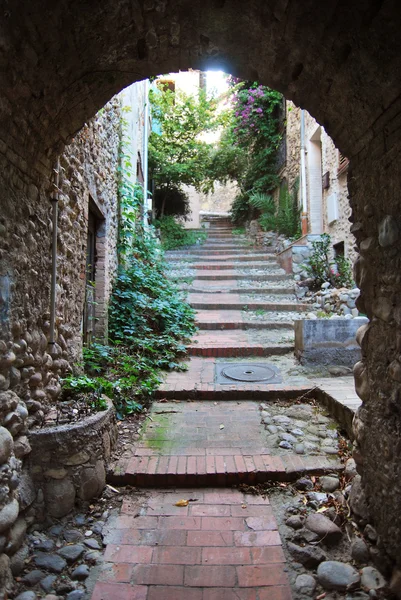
<point>212,557</point>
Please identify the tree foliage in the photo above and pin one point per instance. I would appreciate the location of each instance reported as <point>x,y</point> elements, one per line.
<point>177,154</point>
<point>247,152</point>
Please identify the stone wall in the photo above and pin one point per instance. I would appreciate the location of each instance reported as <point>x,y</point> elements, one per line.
<point>29,367</point>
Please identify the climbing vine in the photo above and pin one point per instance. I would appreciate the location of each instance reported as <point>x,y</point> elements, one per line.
<point>149,320</point>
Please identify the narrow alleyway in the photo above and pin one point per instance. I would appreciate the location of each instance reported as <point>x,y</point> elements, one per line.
<point>205,435</point>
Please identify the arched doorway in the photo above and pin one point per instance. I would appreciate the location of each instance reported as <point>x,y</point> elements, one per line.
<point>339,60</point>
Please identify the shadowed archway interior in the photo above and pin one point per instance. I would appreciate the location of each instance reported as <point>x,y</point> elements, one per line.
<point>61,61</point>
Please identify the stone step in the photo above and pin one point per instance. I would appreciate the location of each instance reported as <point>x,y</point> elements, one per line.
<point>209,325</point>
<point>194,469</point>
<point>240,258</point>
<point>233,301</point>
<point>220,257</point>
<point>207,252</point>
<point>232,265</point>
<point>237,319</point>
<point>233,274</point>
<point>227,246</point>
<point>223,349</point>
<point>215,288</point>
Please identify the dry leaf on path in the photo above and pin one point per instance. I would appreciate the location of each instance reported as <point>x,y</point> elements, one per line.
<point>182,503</point>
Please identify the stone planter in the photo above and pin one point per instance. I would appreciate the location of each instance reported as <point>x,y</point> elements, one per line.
<point>68,462</point>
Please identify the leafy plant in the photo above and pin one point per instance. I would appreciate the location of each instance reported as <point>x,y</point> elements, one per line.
<point>343,273</point>
<point>321,268</point>
<point>174,235</point>
<point>149,320</point>
<point>288,219</point>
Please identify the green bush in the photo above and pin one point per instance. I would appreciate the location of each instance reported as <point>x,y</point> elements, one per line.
<point>322,269</point>
<point>173,234</point>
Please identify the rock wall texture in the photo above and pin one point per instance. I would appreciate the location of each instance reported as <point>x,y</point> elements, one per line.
<point>29,367</point>
<point>341,61</point>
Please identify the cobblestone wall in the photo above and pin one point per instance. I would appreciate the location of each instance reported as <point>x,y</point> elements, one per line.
<point>29,367</point>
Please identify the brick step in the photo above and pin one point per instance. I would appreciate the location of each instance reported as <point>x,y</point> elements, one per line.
<point>234,274</point>
<point>238,392</point>
<point>239,350</point>
<point>232,265</point>
<point>206,252</point>
<point>222,257</point>
<point>197,470</point>
<point>197,287</point>
<point>244,325</point>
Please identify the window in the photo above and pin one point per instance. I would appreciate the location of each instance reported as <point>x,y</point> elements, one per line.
<point>339,249</point>
<point>343,163</point>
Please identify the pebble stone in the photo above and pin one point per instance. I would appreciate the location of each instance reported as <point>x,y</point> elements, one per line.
<point>329,484</point>
<point>33,577</point>
<point>80,573</point>
<point>359,551</point>
<point>372,579</point>
<point>75,595</point>
<point>72,553</point>
<point>47,584</point>
<point>309,556</point>
<point>323,527</point>
<point>305,585</point>
<point>92,543</point>
<point>335,575</point>
<point>29,595</point>
<point>295,522</point>
<point>50,562</point>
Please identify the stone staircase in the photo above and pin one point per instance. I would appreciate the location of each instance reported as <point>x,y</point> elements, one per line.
<point>245,302</point>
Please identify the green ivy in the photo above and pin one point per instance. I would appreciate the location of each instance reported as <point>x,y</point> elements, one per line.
<point>149,320</point>
<point>173,234</point>
<point>321,268</point>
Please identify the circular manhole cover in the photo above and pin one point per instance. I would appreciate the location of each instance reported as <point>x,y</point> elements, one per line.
<point>248,372</point>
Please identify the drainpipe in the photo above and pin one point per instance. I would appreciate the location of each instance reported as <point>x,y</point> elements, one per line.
<point>145,157</point>
<point>304,217</point>
<point>54,201</point>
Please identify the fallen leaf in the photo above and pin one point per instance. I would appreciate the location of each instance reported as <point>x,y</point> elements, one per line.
<point>182,503</point>
<point>321,596</point>
<point>323,509</point>
<point>222,426</point>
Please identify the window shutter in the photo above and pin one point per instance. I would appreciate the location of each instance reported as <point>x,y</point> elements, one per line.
<point>343,163</point>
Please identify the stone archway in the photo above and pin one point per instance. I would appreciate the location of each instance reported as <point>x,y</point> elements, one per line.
<point>62,60</point>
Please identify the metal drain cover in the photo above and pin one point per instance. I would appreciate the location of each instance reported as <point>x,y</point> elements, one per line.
<point>246,373</point>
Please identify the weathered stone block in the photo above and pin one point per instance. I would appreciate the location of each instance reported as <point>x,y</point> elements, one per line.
<point>328,341</point>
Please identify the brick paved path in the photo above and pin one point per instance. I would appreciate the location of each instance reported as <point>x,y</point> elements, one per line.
<point>224,545</point>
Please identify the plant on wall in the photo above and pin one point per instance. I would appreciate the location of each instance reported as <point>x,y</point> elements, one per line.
<point>321,268</point>
<point>149,320</point>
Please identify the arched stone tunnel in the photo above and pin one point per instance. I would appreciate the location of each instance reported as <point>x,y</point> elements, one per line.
<point>62,60</point>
